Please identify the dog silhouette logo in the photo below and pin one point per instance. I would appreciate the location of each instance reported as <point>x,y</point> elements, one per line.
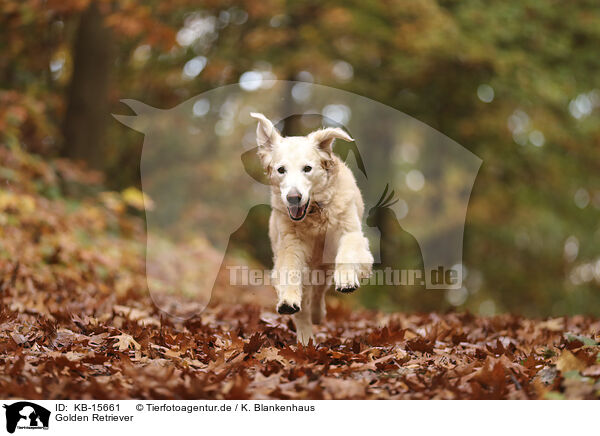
<point>26,415</point>
<point>200,171</point>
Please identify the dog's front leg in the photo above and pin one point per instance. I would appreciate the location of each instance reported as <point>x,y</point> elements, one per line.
<point>290,264</point>
<point>353,261</point>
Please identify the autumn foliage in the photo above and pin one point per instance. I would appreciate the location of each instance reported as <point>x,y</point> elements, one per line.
<point>515,82</point>
<point>76,322</point>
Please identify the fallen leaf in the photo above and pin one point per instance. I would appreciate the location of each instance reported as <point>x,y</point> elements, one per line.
<point>125,342</point>
<point>568,362</point>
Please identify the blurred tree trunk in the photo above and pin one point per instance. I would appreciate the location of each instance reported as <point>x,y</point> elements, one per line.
<point>87,98</point>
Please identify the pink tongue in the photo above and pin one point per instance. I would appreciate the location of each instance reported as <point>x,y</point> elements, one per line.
<point>296,211</point>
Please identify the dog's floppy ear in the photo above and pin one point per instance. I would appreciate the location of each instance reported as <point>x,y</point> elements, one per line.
<point>266,133</point>
<point>324,138</point>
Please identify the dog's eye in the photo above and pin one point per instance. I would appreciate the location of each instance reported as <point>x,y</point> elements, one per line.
<point>307,169</point>
<point>281,170</point>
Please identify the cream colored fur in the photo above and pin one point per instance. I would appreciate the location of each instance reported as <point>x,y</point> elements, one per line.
<point>328,241</point>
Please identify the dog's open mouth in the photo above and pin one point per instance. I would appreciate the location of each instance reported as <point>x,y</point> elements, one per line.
<point>297,213</point>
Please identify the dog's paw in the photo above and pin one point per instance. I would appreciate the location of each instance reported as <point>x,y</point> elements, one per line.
<point>289,300</point>
<point>347,290</point>
<point>287,309</point>
<point>346,279</point>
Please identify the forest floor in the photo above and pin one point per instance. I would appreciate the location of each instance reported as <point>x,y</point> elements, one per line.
<point>76,321</point>
<point>239,352</point>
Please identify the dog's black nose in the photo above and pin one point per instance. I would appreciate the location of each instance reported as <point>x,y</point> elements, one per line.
<point>294,197</point>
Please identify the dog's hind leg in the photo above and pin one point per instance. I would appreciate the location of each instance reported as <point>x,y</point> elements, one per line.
<point>302,319</point>
<point>318,309</point>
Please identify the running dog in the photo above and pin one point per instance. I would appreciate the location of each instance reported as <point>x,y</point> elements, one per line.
<point>315,224</point>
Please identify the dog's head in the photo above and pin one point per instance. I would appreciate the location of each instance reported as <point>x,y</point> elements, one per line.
<point>296,166</point>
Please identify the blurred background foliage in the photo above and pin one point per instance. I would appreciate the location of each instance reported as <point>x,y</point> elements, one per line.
<point>515,82</point>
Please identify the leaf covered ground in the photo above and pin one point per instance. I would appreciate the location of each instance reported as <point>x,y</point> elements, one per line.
<point>236,352</point>
<point>76,322</point>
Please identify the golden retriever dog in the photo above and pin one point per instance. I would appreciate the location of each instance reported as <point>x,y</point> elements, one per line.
<point>315,224</point>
